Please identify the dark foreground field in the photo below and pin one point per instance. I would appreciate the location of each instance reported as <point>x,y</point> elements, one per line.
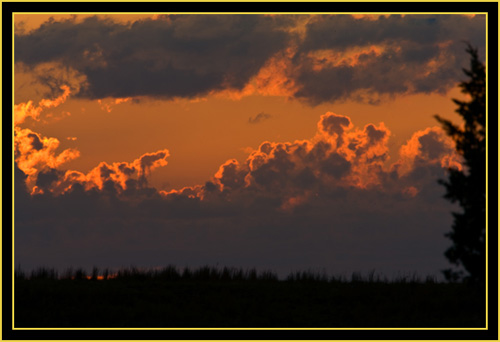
<point>221,298</point>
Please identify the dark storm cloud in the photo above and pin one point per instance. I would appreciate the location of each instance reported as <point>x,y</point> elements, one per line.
<point>192,55</point>
<point>330,31</point>
<point>417,54</point>
<point>173,56</point>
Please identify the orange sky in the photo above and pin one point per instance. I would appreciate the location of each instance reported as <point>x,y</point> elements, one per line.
<point>202,134</point>
<point>199,143</point>
<point>278,142</point>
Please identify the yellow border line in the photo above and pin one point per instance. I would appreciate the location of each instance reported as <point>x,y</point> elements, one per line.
<point>486,185</point>
<point>1,183</point>
<point>250,13</point>
<point>251,329</point>
<point>255,1</point>
<point>13,169</point>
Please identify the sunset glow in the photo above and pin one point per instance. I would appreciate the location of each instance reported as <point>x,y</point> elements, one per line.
<point>280,142</point>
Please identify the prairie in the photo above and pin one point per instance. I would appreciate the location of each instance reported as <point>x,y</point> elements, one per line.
<point>224,298</point>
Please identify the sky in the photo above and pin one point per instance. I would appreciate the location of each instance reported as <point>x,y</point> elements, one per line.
<point>280,142</point>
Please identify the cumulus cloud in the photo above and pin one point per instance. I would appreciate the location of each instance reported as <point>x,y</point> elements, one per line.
<point>338,158</point>
<point>34,152</point>
<point>335,200</point>
<point>37,158</point>
<point>118,177</point>
<point>329,201</point>
<point>332,201</point>
<point>429,146</point>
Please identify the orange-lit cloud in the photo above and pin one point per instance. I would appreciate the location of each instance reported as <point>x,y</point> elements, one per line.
<point>187,191</point>
<point>317,193</point>
<point>108,104</point>
<point>364,149</point>
<point>34,152</point>
<point>231,93</point>
<point>171,69</point>
<point>120,175</point>
<point>285,196</point>
<point>430,146</point>
<point>275,78</point>
<point>28,109</point>
<point>340,155</point>
<point>230,175</point>
<point>37,157</point>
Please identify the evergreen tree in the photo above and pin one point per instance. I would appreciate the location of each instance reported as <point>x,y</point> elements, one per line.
<point>468,186</point>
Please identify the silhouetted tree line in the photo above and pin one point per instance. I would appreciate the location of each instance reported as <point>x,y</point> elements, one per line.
<point>467,187</point>
<point>207,273</point>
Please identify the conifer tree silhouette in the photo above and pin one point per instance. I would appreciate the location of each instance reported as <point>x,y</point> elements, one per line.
<point>468,186</point>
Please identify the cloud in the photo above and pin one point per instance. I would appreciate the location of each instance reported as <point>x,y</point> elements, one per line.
<point>259,118</point>
<point>275,77</point>
<point>108,105</point>
<point>45,80</point>
<point>34,153</point>
<point>335,200</point>
<point>27,109</point>
<point>420,29</point>
<point>343,57</point>
<point>339,156</point>
<point>429,146</point>
<point>36,156</point>
<point>338,230</point>
<point>172,56</point>
<point>332,201</point>
<point>118,177</point>
<point>320,58</point>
